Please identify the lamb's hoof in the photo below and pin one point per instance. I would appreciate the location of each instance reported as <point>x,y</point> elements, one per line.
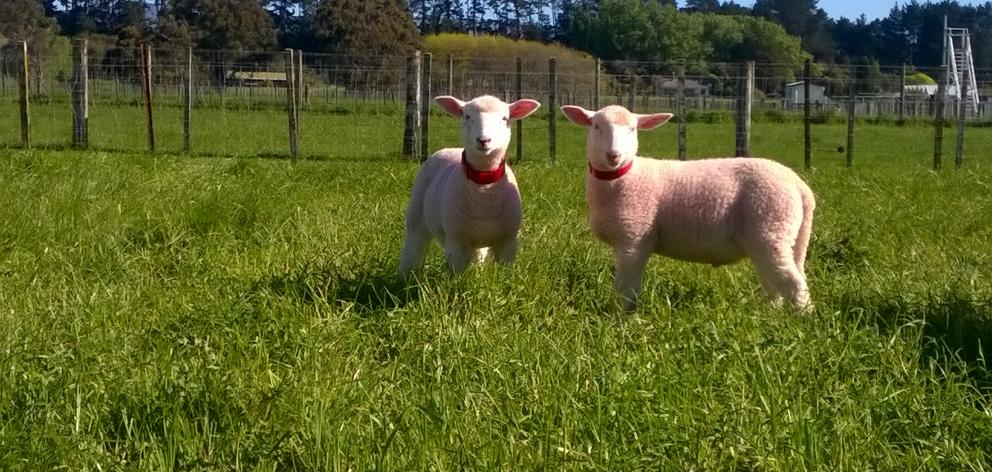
<point>481,255</point>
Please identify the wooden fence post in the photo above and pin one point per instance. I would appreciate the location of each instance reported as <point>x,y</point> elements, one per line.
<point>188,102</point>
<point>595,85</point>
<point>852,101</point>
<point>938,122</point>
<point>744,104</point>
<point>552,107</point>
<point>146,92</point>
<point>962,118</point>
<point>291,105</point>
<point>80,94</point>
<point>411,128</point>
<point>451,76</point>
<point>520,123</point>
<point>300,85</point>
<point>681,112</point>
<point>632,98</point>
<point>807,116</point>
<point>425,113</point>
<point>3,74</point>
<point>902,95</point>
<point>25,101</point>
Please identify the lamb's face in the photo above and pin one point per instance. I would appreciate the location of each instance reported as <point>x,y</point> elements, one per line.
<point>612,137</point>
<point>485,122</point>
<point>486,126</point>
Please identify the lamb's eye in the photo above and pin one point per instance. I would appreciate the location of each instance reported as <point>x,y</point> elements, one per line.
<point>595,126</point>
<point>633,128</point>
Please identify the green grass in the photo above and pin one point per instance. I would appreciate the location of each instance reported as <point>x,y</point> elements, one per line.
<point>167,313</point>
<point>357,130</point>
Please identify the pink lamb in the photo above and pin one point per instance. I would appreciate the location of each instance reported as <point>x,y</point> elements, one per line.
<point>714,211</point>
<point>467,198</point>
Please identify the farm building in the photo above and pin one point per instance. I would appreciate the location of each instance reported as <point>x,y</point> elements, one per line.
<point>693,88</point>
<point>257,79</point>
<point>794,94</point>
<point>917,90</point>
<point>930,91</point>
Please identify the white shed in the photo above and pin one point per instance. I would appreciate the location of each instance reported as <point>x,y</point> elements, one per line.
<point>794,94</point>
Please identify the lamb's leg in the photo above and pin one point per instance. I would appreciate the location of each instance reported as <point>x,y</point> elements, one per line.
<point>418,237</point>
<point>459,256</point>
<point>630,263</point>
<point>773,294</point>
<point>415,246</point>
<point>777,266</point>
<point>506,252</point>
<point>805,230</point>
<point>480,255</point>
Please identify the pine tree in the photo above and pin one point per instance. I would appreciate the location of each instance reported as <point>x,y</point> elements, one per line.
<point>702,5</point>
<point>801,18</point>
<point>25,20</point>
<point>239,25</point>
<point>365,27</point>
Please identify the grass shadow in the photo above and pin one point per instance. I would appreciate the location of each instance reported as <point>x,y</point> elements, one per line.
<point>369,290</point>
<point>955,326</point>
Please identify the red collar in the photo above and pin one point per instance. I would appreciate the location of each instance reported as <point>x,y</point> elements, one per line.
<point>611,174</point>
<point>483,177</point>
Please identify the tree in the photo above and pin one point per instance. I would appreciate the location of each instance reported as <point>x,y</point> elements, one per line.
<point>293,23</point>
<point>239,25</point>
<point>25,20</point>
<point>515,18</point>
<point>631,29</point>
<point>365,27</point>
<point>800,18</point>
<point>635,30</point>
<point>722,34</point>
<point>705,6</point>
<point>438,16</point>
<point>873,80</point>
<point>732,8</point>
<point>767,42</point>
<point>96,16</point>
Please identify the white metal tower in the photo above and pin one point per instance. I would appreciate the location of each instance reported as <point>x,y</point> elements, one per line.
<point>960,64</point>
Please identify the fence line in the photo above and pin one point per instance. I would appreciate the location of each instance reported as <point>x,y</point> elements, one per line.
<point>270,82</point>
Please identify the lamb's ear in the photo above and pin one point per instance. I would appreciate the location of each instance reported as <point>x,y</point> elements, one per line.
<point>450,104</point>
<point>578,115</point>
<point>649,122</point>
<point>522,108</point>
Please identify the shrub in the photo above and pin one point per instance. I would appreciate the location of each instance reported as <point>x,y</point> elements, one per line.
<point>710,117</point>
<point>776,115</point>
<point>919,78</point>
<point>487,64</point>
<point>824,117</point>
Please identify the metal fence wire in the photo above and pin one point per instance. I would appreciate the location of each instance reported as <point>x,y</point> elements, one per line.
<point>354,106</point>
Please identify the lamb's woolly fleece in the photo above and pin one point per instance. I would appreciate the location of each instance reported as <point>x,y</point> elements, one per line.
<point>465,217</point>
<point>714,211</point>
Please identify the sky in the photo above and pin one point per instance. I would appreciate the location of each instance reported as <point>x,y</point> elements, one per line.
<point>854,8</point>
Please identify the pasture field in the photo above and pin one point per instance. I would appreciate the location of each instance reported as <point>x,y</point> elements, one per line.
<point>216,313</point>
<point>355,130</point>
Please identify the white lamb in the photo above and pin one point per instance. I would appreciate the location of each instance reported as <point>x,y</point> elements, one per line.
<point>467,198</point>
<point>714,211</point>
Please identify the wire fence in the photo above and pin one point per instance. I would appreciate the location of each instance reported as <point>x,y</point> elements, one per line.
<point>355,105</point>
